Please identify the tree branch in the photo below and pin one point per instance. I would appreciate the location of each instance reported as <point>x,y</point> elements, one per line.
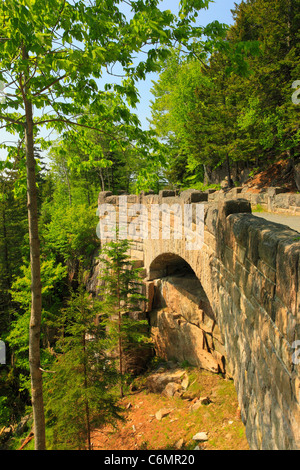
<point>50,85</point>
<point>77,124</point>
<point>71,123</point>
<point>10,120</point>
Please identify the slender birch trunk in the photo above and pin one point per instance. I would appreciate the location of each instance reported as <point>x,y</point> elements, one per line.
<point>36,288</point>
<point>120,334</point>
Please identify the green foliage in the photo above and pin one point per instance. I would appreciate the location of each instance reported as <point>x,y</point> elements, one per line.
<point>13,228</point>
<point>258,208</point>
<point>121,297</point>
<point>65,48</point>
<point>71,231</point>
<point>79,387</point>
<point>52,277</point>
<point>52,59</point>
<point>231,103</point>
<point>87,160</point>
<point>4,411</point>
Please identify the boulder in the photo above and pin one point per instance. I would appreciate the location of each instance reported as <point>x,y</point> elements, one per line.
<point>200,436</point>
<point>159,415</point>
<point>224,184</point>
<point>158,381</point>
<point>172,389</point>
<point>179,444</point>
<point>183,324</point>
<point>174,337</point>
<point>202,401</point>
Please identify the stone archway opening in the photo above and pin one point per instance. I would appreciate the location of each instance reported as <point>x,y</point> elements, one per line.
<point>183,324</point>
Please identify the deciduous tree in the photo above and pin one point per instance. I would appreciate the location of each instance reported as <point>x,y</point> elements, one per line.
<point>51,55</point>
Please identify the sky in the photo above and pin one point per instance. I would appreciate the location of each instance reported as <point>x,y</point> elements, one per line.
<point>219,10</point>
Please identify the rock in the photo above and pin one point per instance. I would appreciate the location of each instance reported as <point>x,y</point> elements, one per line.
<point>158,381</point>
<point>224,183</point>
<point>166,193</point>
<point>179,444</point>
<point>7,431</point>
<point>149,295</point>
<point>188,395</point>
<point>162,413</point>
<point>200,402</point>
<point>200,436</point>
<point>173,336</point>
<point>185,382</point>
<point>204,400</point>
<point>183,326</point>
<point>192,195</point>
<point>171,389</point>
<point>195,406</point>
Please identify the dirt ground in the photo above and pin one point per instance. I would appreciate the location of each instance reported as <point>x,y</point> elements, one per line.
<point>141,430</point>
<point>277,174</point>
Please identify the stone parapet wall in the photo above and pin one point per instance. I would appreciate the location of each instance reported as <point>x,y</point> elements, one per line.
<point>255,270</point>
<point>271,199</point>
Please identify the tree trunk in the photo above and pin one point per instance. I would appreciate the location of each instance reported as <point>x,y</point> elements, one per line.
<point>120,332</point>
<point>120,356</point>
<point>6,258</point>
<point>69,188</point>
<point>102,180</point>
<point>36,288</point>
<point>229,171</point>
<point>87,409</point>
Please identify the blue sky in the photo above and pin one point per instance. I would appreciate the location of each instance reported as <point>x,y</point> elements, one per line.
<point>218,10</point>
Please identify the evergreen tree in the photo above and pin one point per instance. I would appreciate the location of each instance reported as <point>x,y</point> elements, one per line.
<point>13,243</point>
<point>268,115</point>
<point>52,53</point>
<point>79,386</point>
<point>237,104</point>
<point>121,299</point>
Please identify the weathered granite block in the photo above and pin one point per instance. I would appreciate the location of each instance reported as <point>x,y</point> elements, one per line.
<point>287,282</point>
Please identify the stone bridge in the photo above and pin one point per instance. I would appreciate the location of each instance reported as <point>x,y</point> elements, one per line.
<point>245,321</point>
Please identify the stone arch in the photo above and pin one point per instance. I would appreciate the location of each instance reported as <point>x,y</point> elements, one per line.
<point>166,264</point>
<point>182,320</point>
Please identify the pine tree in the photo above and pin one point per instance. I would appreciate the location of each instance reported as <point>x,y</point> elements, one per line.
<point>79,390</point>
<point>268,114</point>
<point>121,298</point>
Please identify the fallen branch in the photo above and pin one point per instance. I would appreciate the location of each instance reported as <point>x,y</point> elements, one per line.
<point>48,371</point>
<point>26,440</point>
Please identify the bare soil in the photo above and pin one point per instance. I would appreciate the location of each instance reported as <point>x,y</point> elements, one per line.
<point>278,174</point>
<point>141,430</point>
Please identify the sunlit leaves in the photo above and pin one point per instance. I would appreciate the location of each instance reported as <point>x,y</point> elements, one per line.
<point>192,6</point>
<point>68,46</point>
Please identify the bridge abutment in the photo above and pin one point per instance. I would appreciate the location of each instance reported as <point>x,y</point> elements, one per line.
<point>250,272</point>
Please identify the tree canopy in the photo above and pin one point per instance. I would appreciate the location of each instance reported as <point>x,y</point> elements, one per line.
<point>233,106</point>
<point>53,55</point>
